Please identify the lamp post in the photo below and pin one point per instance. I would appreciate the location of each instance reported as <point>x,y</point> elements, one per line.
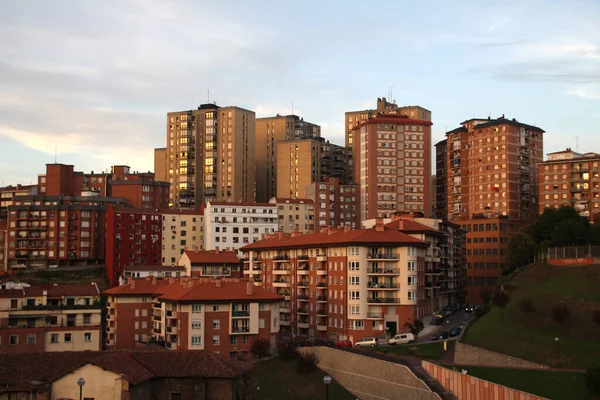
<point>80,382</point>
<point>327,382</point>
<point>556,341</point>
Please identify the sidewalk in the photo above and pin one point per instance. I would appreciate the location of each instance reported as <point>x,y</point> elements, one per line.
<point>427,327</point>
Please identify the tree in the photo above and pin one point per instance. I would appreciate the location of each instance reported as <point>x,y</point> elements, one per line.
<point>520,250</point>
<point>485,295</point>
<point>288,351</point>
<point>592,379</point>
<point>596,317</point>
<point>561,313</point>
<point>307,363</point>
<point>571,232</point>
<point>260,348</point>
<point>594,234</point>
<point>549,220</point>
<point>500,299</point>
<point>526,305</point>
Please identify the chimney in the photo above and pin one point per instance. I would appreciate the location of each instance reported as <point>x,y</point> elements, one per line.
<point>171,279</point>
<point>196,249</point>
<point>249,287</point>
<point>280,235</point>
<point>347,228</point>
<point>132,283</point>
<point>379,225</point>
<point>401,225</point>
<point>154,280</point>
<point>218,282</point>
<point>217,250</point>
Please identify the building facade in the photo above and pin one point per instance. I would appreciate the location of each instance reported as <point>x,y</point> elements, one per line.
<point>441,180</point>
<point>568,178</point>
<point>211,263</point>
<point>3,243</point>
<point>181,229</point>
<point>47,318</point>
<point>270,131</point>
<point>298,165</point>
<point>9,193</point>
<point>160,165</point>
<point>223,315</point>
<point>343,284</point>
<point>335,205</point>
<point>295,214</point>
<point>210,155</point>
<point>133,237</point>
<point>392,163</point>
<point>237,224</point>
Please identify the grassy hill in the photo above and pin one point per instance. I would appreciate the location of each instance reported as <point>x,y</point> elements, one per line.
<point>532,336</point>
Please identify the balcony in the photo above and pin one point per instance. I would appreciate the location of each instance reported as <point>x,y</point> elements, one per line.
<point>281,271</point>
<point>303,325</point>
<point>322,299</point>
<point>382,256</point>
<point>157,305</point>
<point>374,315</point>
<point>285,310</point>
<point>322,284</point>
<point>240,314</point>
<point>156,330</point>
<point>382,286</point>
<point>321,257</point>
<point>383,300</point>
<point>433,271</point>
<point>236,329</point>
<point>322,312</point>
<point>157,318</point>
<point>281,258</point>
<point>284,322</point>
<point>303,257</point>
<point>171,314</point>
<point>322,328</point>
<point>383,271</point>
<point>302,283</point>
<point>303,271</point>
<point>171,345</point>
<point>281,283</point>
<point>302,311</point>
<point>302,297</point>
<point>321,271</point>
<point>172,330</point>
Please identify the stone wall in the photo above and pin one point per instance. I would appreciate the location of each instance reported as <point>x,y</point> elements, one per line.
<point>369,378</point>
<point>465,354</point>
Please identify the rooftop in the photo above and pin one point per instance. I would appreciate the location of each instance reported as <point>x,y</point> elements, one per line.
<point>154,268</point>
<point>239,204</point>
<point>53,291</point>
<point>398,119</point>
<point>212,256</point>
<point>196,290</point>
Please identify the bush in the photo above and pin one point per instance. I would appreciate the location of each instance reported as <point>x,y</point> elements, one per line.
<point>596,317</point>
<point>592,379</point>
<point>287,351</point>
<point>418,324</point>
<point>526,305</point>
<point>481,311</point>
<point>561,313</point>
<point>307,363</point>
<point>500,299</point>
<point>485,295</point>
<point>260,348</point>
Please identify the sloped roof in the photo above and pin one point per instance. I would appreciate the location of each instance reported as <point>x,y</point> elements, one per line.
<point>209,291</point>
<point>140,287</point>
<point>212,256</point>
<point>154,268</point>
<point>60,290</point>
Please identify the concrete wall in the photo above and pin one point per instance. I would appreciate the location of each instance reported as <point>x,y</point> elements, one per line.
<point>369,378</point>
<point>100,384</point>
<point>467,387</point>
<point>465,354</point>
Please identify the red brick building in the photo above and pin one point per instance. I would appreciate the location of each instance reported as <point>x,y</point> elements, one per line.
<point>133,237</point>
<point>343,284</point>
<point>335,205</point>
<point>223,315</point>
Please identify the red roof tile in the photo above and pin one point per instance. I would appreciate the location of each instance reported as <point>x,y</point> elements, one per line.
<point>209,291</point>
<point>336,238</point>
<point>60,290</point>
<point>154,268</point>
<point>141,287</point>
<point>212,257</point>
<point>11,293</point>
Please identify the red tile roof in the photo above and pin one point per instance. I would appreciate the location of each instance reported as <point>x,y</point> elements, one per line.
<point>154,268</point>
<point>209,291</point>
<point>241,204</point>
<point>387,236</point>
<point>213,257</point>
<point>140,287</point>
<point>11,293</point>
<point>60,290</point>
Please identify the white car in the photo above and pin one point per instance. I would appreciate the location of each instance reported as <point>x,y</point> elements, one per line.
<point>402,338</point>
<point>367,342</point>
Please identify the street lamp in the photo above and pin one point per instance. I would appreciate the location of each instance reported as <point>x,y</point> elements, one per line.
<point>81,382</point>
<point>327,382</point>
<point>556,341</point>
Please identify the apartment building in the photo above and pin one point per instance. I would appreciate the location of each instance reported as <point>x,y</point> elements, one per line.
<point>47,318</point>
<point>237,224</point>
<point>343,283</point>
<point>270,131</point>
<point>161,165</point>
<point>3,243</point>
<point>492,186</point>
<point>133,237</point>
<point>571,179</point>
<point>9,193</point>
<point>210,155</point>
<point>333,161</point>
<point>298,165</point>
<point>295,214</point>
<point>159,271</point>
<point>441,180</point>
<point>355,118</point>
<point>223,315</point>
<point>335,205</point>
<point>181,229</point>
<point>392,165</point>
<point>211,263</point>
<point>139,190</point>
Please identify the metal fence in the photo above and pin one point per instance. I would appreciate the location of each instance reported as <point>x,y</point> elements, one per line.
<point>556,253</point>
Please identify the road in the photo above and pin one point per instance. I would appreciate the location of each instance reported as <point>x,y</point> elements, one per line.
<point>460,318</point>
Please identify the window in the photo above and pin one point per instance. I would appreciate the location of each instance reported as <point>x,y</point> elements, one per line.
<point>353,265</point>
<point>354,280</point>
<point>216,324</point>
<point>216,341</point>
<point>357,324</point>
<point>54,338</point>
<point>261,306</point>
<point>412,295</point>
<point>67,338</point>
<point>30,339</point>
<point>13,340</point>
<point>87,336</point>
<point>196,308</point>
<point>354,295</point>
<point>196,340</point>
<point>216,307</point>
<point>411,265</point>
<point>412,280</point>
<point>232,339</point>
<point>353,310</point>
<point>87,318</point>
<point>196,324</point>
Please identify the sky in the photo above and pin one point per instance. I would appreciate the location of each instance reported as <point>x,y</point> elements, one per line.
<point>90,83</point>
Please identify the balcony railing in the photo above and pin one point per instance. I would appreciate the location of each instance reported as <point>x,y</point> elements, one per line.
<point>321,298</point>
<point>374,315</point>
<point>303,257</point>
<point>240,313</point>
<point>383,271</point>
<point>302,311</point>
<point>383,256</point>
<point>322,284</point>
<point>383,300</point>
<point>379,285</point>
<point>302,283</point>
<point>240,329</point>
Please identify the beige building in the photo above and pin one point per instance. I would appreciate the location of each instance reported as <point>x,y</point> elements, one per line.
<point>210,155</point>
<point>298,165</point>
<point>270,131</point>
<point>295,214</point>
<point>160,165</point>
<point>180,230</point>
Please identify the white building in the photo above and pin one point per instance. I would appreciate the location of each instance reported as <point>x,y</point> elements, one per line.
<point>235,225</point>
<point>159,271</point>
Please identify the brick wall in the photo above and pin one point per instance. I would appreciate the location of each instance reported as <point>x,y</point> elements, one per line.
<point>465,354</point>
<point>467,387</point>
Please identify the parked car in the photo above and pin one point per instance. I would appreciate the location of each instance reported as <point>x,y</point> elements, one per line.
<point>367,342</point>
<point>470,308</point>
<point>448,313</point>
<point>435,336</point>
<point>438,319</point>
<point>454,332</point>
<point>402,338</point>
<point>444,335</point>
<point>343,343</point>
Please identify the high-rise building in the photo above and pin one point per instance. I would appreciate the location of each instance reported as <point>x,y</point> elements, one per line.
<point>295,214</point>
<point>354,118</point>
<point>269,131</point>
<point>492,188</point>
<point>181,229</point>
<point>298,165</point>
<point>334,204</point>
<point>210,155</point>
<point>392,165</point>
<point>441,180</point>
<point>9,193</point>
<point>160,165</point>
<point>568,178</point>
<point>3,243</point>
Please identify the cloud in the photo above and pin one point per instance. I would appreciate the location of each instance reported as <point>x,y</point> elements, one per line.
<point>585,93</point>
<point>270,110</point>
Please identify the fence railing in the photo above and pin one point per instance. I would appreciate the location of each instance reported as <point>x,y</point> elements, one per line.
<point>554,253</point>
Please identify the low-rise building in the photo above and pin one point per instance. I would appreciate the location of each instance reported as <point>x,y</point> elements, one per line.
<point>159,271</point>
<point>211,263</point>
<point>222,315</point>
<point>181,229</point>
<point>237,224</point>
<point>343,283</point>
<point>50,318</point>
<point>9,193</point>
<point>295,214</point>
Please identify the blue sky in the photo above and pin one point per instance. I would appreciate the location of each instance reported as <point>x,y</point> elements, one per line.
<point>95,79</point>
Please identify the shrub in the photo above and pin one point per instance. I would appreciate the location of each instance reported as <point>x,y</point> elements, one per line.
<point>481,311</point>
<point>418,324</point>
<point>485,295</point>
<point>561,313</point>
<point>592,379</point>
<point>500,299</point>
<point>287,351</point>
<point>526,305</point>
<point>260,348</point>
<point>596,317</point>
<point>307,363</point>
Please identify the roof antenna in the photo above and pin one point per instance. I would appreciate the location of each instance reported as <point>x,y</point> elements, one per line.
<point>391,93</point>
<point>208,95</point>
<point>292,106</point>
<point>577,144</point>
<point>54,154</point>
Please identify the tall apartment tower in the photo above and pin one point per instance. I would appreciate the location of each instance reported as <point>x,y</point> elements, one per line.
<point>392,165</point>
<point>492,188</point>
<point>160,165</point>
<point>210,155</point>
<point>441,180</point>
<point>354,118</point>
<point>270,131</point>
<point>298,165</point>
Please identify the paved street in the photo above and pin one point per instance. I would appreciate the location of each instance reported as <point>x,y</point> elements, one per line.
<point>458,319</point>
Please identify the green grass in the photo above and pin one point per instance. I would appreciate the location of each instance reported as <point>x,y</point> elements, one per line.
<point>554,385</point>
<point>431,351</point>
<point>531,337</point>
<point>278,380</point>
